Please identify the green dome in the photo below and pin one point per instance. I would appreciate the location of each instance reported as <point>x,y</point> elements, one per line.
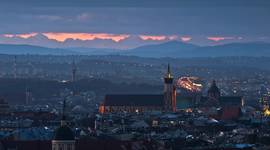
<point>63,133</point>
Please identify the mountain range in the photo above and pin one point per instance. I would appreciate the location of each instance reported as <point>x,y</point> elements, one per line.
<point>173,49</point>
<point>14,49</point>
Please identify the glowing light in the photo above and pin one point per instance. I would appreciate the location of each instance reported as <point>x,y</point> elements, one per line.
<point>102,109</point>
<point>62,37</point>
<point>169,76</point>
<point>189,83</point>
<point>266,112</point>
<point>189,110</point>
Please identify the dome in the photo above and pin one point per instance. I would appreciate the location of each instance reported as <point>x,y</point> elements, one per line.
<point>213,88</point>
<point>63,133</point>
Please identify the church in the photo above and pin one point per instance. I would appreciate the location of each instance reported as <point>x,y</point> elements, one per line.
<point>170,101</point>
<point>229,107</point>
<point>165,102</point>
<point>213,104</point>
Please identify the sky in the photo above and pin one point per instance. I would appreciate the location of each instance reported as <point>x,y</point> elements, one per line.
<point>124,24</point>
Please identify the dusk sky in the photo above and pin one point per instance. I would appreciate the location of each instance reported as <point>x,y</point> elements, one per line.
<point>131,23</point>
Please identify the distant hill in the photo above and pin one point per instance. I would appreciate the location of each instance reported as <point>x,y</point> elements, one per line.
<point>173,49</point>
<point>95,51</point>
<point>234,49</point>
<point>178,49</point>
<point>30,49</point>
<point>168,49</point>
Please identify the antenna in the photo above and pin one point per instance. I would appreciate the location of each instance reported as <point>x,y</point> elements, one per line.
<point>15,67</point>
<point>169,69</point>
<point>28,96</point>
<point>64,110</point>
<point>74,70</point>
<point>63,120</point>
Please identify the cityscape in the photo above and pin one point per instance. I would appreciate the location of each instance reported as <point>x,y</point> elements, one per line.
<point>140,75</point>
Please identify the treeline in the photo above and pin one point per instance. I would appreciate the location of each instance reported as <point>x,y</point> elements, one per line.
<point>14,90</point>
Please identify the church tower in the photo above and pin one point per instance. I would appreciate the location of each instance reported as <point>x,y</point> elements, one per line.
<point>64,137</point>
<point>169,92</point>
<point>213,94</point>
<point>15,67</point>
<point>28,96</point>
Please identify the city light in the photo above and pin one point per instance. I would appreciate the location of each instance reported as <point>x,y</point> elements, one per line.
<point>189,83</point>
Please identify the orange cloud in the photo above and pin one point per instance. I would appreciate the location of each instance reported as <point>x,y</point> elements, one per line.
<point>153,37</point>
<point>24,36</point>
<point>186,38</point>
<point>217,39</point>
<point>61,37</point>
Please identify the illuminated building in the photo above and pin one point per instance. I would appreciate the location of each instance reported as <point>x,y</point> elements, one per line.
<point>142,103</point>
<point>266,112</point>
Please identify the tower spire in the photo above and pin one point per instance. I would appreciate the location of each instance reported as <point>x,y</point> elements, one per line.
<point>169,71</point>
<point>214,83</point>
<point>63,120</point>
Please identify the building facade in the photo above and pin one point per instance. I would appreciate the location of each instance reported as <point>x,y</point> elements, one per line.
<point>169,92</point>
<point>143,103</point>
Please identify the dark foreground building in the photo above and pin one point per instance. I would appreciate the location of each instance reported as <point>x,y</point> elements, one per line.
<point>133,103</point>
<point>91,144</point>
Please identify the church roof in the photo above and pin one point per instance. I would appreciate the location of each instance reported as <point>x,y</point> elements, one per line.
<point>225,100</point>
<point>231,100</point>
<point>63,133</point>
<point>134,100</point>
